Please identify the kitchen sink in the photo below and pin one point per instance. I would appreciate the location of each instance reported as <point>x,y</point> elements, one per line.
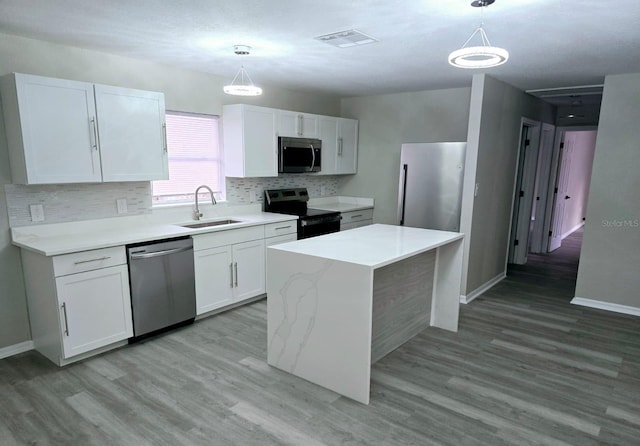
<point>206,224</point>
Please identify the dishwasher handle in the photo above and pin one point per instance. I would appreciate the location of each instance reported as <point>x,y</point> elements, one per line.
<point>166,252</point>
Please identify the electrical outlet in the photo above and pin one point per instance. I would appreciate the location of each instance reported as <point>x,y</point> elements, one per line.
<point>121,204</point>
<point>323,191</point>
<point>37,212</point>
<point>252,196</point>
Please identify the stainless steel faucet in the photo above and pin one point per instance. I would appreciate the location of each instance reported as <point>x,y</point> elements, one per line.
<point>196,212</point>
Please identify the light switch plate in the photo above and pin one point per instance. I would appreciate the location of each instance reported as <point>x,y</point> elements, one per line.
<point>37,212</point>
<point>323,191</point>
<point>252,196</point>
<point>121,203</point>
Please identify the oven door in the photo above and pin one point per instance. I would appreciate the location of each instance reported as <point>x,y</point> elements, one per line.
<point>313,226</point>
<point>299,155</point>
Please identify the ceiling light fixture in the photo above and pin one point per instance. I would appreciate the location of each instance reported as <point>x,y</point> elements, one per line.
<point>242,85</point>
<point>483,56</point>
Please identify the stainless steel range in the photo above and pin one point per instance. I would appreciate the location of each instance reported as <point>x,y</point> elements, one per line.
<point>311,222</point>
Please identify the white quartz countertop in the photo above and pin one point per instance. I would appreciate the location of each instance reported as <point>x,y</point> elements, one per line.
<point>374,246</point>
<point>64,238</point>
<point>341,203</point>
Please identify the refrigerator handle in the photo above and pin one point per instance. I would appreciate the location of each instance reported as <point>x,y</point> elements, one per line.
<point>404,192</point>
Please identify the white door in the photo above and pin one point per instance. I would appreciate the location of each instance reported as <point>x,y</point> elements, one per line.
<point>131,126</point>
<point>214,278</point>
<point>543,180</point>
<point>95,309</point>
<point>560,195</point>
<point>329,137</point>
<point>249,269</point>
<point>524,193</point>
<point>347,161</point>
<point>309,125</point>
<point>289,123</point>
<point>59,130</point>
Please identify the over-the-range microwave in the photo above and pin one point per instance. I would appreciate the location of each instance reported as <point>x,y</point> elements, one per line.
<point>299,155</point>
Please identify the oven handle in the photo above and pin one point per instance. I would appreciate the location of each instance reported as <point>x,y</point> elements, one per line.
<point>166,252</point>
<point>320,221</point>
<point>313,157</point>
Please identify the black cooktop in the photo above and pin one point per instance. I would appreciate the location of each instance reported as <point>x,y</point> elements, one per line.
<point>292,202</point>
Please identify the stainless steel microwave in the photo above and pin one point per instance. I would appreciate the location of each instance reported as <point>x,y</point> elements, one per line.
<point>299,155</point>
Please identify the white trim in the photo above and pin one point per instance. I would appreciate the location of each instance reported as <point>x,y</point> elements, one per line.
<point>14,349</point>
<point>482,288</point>
<point>608,306</point>
<point>572,230</point>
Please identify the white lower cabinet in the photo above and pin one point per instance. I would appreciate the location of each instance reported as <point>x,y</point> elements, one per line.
<point>95,309</point>
<point>356,219</point>
<point>79,303</point>
<point>229,267</point>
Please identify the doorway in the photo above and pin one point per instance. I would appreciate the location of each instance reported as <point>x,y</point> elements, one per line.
<point>551,188</point>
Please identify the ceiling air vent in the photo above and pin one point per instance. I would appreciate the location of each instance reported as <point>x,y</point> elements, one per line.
<point>345,39</point>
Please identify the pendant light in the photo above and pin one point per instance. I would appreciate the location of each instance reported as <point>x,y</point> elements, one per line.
<point>483,56</point>
<point>242,85</point>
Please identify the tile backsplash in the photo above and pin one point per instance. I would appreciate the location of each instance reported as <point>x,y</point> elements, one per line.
<point>74,202</point>
<point>239,189</point>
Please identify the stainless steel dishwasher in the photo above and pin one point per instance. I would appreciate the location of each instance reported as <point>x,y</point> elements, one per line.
<point>162,279</point>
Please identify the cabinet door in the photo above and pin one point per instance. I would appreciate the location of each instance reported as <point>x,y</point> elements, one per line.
<point>329,136</point>
<point>95,309</point>
<point>347,160</point>
<point>131,126</point>
<point>56,131</point>
<point>296,124</point>
<point>214,278</point>
<point>249,269</point>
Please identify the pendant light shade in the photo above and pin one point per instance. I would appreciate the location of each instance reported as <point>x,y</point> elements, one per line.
<point>242,85</point>
<point>481,56</point>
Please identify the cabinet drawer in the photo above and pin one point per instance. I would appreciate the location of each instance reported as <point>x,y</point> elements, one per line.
<point>355,224</point>
<point>281,239</point>
<point>281,228</point>
<point>78,262</point>
<point>229,237</point>
<point>353,216</point>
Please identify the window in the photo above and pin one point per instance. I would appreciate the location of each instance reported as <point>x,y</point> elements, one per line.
<point>195,158</point>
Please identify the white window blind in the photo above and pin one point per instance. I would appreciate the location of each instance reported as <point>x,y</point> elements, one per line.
<point>195,158</point>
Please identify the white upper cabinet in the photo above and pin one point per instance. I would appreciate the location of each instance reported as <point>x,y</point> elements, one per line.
<point>62,131</point>
<point>339,145</point>
<point>132,134</point>
<point>296,124</point>
<point>347,156</point>
<point>250,143</point>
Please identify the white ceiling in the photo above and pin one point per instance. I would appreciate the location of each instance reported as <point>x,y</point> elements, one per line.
<point>552,43</point>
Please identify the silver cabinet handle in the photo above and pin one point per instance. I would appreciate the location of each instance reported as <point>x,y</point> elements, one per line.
<point>164,137</point>
<point>339,146</point>
<point>94,132</point>
<point>300,124</point>
<point>282,227</point>
<point>99,259</point>
<point>235,267</point>
<point>231,275</point>
<point>356,216</point>
<point>66,321</point>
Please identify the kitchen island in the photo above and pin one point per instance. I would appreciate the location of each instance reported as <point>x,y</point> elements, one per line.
<point>338,303</point>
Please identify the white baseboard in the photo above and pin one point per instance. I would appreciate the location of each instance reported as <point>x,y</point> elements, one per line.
<point>14,349</point>
<point>482,289</point>
<point>572,230</point>
<point>634,311</point>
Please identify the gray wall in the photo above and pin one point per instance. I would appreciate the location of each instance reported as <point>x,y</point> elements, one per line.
<point>184,91</point>
<point>387,121</point>
<point>610,257</point>
<point>584,146</point>
<point>494,128</point>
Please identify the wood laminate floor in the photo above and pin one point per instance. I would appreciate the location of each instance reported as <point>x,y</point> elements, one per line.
<point>526,367</point>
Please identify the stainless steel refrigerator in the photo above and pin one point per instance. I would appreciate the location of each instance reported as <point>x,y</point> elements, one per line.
<point>430,192</point>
